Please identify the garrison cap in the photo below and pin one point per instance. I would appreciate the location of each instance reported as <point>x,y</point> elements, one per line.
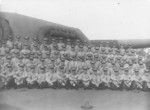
<point>45,39</point>
<point>32,66</point>
<point>42,67</point>
<point>110,50</point>
<point>130,63</point>
<point>73,68</point>
<point>146,70</point>
<point>20,57</point>
<point>56,52</point>
<point>94,68</point>
<point>61,66</point>
<point>18,37</point>
<point>51,66</point>
<point>26,38</point>
<point>32,53</point>
<point>35,45</point>
<point>39,53</point>
<point>96,48</point>
<point>42,59</point>
<point>4,42</point>
<point>116,70</point>
<point>136,70</point>
<point>7,50</point>
<point>21,65</point>
<point>52,59</point>
<point>8,56</point>
<point>85,67</point>
<point>68,40</point>
<point>105,69</point>
<point>31,58</point>
<point>77,40</point>
<point>25,53</point>
<point>60,38</point>
<point>92,62</point>
<point>47,53</point>
<point>96,55</point>
<point>126,69</point>
<point>35,39</point>
<point>72,46</point>
<point>89,47</point>
<point>64,46</point>
<point>9,65</point>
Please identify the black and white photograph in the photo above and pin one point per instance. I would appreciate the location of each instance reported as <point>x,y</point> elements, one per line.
<point>74,54</point>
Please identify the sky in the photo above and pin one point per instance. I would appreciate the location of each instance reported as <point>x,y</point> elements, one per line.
<point>97,19</point>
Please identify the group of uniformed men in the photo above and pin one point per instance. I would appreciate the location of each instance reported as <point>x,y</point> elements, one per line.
<point>71,65</point>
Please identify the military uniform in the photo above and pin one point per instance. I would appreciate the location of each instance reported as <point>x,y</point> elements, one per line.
<point>85,46</point>
<point>18,42</point>
<point>80,53</point>
<point>85,77</point>
<point>35,48</point>
<point>72,52</point>
<point>44,44</point>
<point>3,48</point>
<point>51,76</point>
<point>9,42</point>
<point>89,54</point>
<point>127,79</point>
<point>7,76</point>
<point>20,76</point>
<point>60,44</point>
<point>68,46</point>
<point>136,80</point>
<point>95,78</point>
<point>115,79</point>
<point>34,44</point>
<point>25,50</point>
<point>77,45</point>
<point>72,77</point>
<point>105,77</point>
<point>146,80</point>
<point>27,40</point>
<point>72,64</point>
<point>41,77</point>
<point>61,78</point>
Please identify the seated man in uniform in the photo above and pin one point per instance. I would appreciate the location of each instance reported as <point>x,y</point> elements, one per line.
<point>105,77</point>
<point>51,76</point>
<point>84,76</point>
<point>136,80</point>
<point>20,76</point>
<point>95,78</point>
<point>72,77</point>
<point>127,79</point>
<point>61,76</point>
<point>32,77</point>
<point>41,75</point>
<point>146,80</point>
<point>7,76</point>
<point>115,79</point>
